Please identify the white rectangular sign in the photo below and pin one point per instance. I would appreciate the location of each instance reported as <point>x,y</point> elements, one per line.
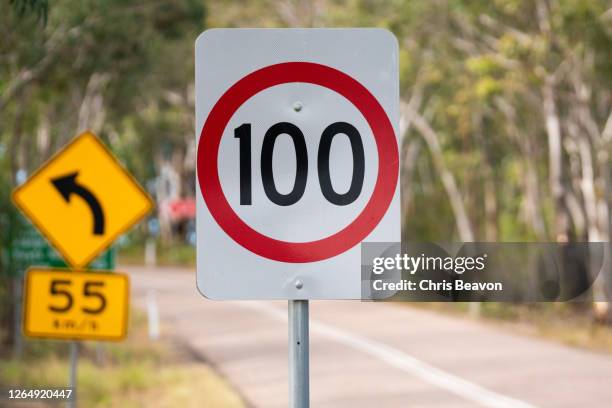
<point>297,159</point>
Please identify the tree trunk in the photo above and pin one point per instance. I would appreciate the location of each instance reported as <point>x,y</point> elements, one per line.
<point>555,161</point>
<point>448,180</point>
<point>410,152</point>
<point>92,112</point>
<point>533,204</point>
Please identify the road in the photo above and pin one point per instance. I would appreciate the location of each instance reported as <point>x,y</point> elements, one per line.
<point>367,354</point>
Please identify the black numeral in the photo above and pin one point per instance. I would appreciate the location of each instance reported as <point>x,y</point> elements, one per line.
<point>358,163</point>
<point>243,134</point>
<point>89,292</point>
<point>301,159</point>
<point>55,290</point>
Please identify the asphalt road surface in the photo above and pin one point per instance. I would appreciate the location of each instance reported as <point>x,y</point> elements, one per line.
<point>373,354</point>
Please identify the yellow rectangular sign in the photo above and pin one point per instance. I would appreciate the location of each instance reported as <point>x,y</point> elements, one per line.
<point>82,199</point>
<point>62,304</point>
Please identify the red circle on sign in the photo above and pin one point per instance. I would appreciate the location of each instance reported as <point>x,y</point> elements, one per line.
<point>263,245</point>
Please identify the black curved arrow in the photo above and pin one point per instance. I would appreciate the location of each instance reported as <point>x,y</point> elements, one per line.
<point>67,185</point>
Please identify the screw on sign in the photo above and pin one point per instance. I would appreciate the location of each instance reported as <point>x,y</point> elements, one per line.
<point>297,159</point>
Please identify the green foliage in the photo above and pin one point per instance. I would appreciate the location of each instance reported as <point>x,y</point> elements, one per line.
<point>137,52</point>
<point>481,65</point>
<point>481,61</point>
<point>38,8</point>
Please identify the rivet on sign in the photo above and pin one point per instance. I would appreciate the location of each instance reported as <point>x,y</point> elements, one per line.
<point>297,106</point>
<point>299,284</point>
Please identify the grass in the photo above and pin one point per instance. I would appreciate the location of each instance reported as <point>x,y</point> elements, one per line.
<point>133,373</point>
<point>570,324</point>
<point>176,254</point>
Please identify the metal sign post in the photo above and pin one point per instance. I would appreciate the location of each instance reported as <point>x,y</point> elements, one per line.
<point>276,226</point>
<point>17,339</point>
<point>74,356</point>
<point>299,370</point>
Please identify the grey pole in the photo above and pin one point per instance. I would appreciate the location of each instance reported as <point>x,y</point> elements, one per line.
<point>299,393</point>
<point>17,340</point>
<point>74,356</point>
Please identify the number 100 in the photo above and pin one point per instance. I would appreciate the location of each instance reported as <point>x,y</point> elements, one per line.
<point>243,134</point>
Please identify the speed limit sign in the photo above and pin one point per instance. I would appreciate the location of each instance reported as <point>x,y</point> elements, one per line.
<point>69,305</point>
<point>297,159</point>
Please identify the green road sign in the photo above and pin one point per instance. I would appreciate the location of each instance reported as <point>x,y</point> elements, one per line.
<point>28,248</point>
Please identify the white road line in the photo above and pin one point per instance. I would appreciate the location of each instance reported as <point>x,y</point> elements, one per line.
<point>402,361</point>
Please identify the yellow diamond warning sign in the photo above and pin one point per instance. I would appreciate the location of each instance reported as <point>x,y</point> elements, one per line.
<point>82,199</point>
<point>75,305</point>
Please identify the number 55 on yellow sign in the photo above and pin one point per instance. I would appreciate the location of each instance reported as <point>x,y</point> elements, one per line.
<point>76,305</point>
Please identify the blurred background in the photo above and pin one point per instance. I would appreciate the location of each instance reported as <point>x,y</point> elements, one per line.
<point>506,129</point>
